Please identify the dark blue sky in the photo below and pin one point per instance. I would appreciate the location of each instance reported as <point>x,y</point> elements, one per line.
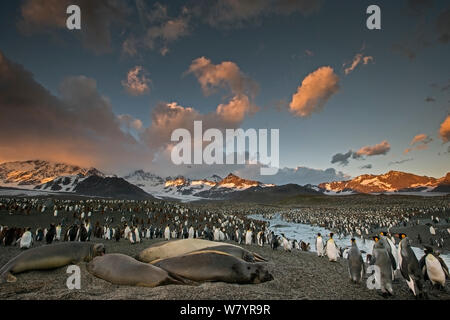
<point>384,99</point>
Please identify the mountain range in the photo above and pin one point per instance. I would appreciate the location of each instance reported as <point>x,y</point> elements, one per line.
<point>44,177</point>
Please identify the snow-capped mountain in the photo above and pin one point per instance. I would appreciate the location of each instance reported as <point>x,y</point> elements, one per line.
<point>29,174</point>
<point>189,189</point>
<point>393,181</point>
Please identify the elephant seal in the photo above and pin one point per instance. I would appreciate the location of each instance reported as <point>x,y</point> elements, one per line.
<point>211,265</point>
<point>50,257</point>
<point>164,250</point>
<point>124,270</point>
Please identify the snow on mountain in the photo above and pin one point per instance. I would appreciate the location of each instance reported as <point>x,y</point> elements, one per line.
<point>29,174</point>
<point>392,181</point>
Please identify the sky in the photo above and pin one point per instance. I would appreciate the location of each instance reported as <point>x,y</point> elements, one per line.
<point>346,100</point>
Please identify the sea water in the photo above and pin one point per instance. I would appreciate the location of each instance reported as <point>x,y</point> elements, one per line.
<point>308,233</point>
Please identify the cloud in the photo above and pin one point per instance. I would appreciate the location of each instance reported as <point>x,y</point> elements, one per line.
<point>97,18</point>
<point>421,138</point>
<point>158,29</point>
<point>400,161</point>
<point>237,13</point>
<point>136,83</point>
<point>298,175</point>
<point>367,166</point>
<point>379,149</point>
<point>425,34</point>
<point>358,59</point>
<point>316,89</point>
<point>226,74</point>
<point>76,126</point>
<point>444,131</point>
<point>129,122</point>
<point>430,99</point>
<point>342,158</point>
<point>236,109</point>
<point>443,26</point>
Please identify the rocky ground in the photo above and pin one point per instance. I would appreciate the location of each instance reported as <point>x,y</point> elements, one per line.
<point>297,275</point>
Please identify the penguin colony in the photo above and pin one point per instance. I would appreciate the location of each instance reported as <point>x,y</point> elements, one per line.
<point>137,220</point>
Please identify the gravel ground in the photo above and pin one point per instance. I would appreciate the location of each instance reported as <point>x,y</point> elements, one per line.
<point>297,275</point>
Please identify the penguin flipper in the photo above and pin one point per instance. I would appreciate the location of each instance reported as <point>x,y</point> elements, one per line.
<point>404,269</point>
<point>444,267</point>
<point>394,264</point>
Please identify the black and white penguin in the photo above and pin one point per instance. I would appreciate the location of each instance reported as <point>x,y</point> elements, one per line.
<point>51,233</point>
<point>434,268</point>
<point>319,246</point>
<point>409,266</point>
<point>356,267</point>
<point>331,249</point>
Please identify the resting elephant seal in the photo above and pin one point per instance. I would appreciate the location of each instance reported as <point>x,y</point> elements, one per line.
<point>210,265</point>
<point>124,270</point>
<point>175,248</point>
<point>50,257</point>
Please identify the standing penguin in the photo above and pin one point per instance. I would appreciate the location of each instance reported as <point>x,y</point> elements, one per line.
<point>332,250</point>
<point>167,233</point>
<point>381,259</point>
<point>248,237</point>
<point>50,234</point>
<point>409,266</point>
<point>319,246</point>
<point>356,267</point>
<point>26,241</point>
<point>434,268</point>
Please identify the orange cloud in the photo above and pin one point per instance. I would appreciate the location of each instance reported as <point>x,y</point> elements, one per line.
<point>316,89</point>
<point>136,83</point>
<point>358,59</point>
<point>225,74</point>
<point>379,149</point>
<point>444,131</point>
<point>236,109</point>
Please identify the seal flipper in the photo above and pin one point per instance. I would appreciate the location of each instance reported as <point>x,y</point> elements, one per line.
<point>259,258</point>
<point>176,279</point>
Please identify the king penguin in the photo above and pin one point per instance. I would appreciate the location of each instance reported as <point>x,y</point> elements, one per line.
<point>356,267</point>
<point>381,259</point>
<point>332,250</point>
<point>319,246</point>
<point>409,266</point>
<point>434,268</point>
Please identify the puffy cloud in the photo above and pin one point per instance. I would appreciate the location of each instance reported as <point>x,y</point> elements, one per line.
<point>444,131</point>
<point>225,74</point>
<point>379,149</point>
<point>77,126</point>
<point>316,89</point>
<point>97,18</point>
<point>358,59</point>
<point>298,175</point>
<point>236,109</point>
<point>367,166</point>
<point>342,158</point>
<point>136,83</point>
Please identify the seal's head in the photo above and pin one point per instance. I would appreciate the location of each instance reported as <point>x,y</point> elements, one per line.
<point>259,273</point>
<point>98,250</point>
